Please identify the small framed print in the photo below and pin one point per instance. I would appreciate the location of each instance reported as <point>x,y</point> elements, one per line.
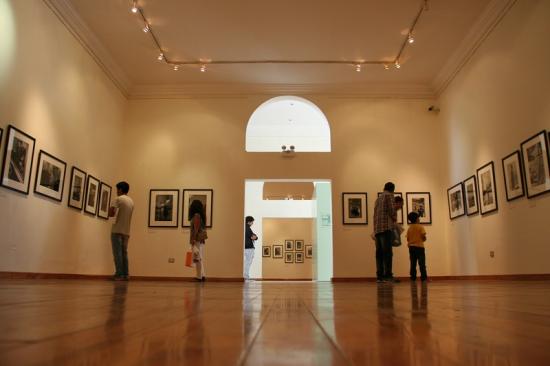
<point>289,257</point>
<point>163,207</point>
<point>536,164</point>
<point>299,245</point>
<point>289,245</point>
<point>400,211</point>
<point>104,200</point>
<point>299,257</point>
<point>277,251</point>
<point>76,188</point>
<point>309,251</point>
<point>470,192</point>
<point>17,162</point>
<point>421,203</point>
<point>92,192</point>
<point>266,251</point>
<point>455,196</point>
<point>50,176</point>
<point>205,196</point>
<point>513,176</point>
<point>354,208</point>
<point>487,188</point>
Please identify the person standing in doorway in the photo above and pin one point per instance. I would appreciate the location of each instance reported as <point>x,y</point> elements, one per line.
<point>249,238</point>
<point>197,237</point>
<point>385,218</point>
<point>122,208</point>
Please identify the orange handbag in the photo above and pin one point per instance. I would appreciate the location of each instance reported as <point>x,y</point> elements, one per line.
<point>189,259</point>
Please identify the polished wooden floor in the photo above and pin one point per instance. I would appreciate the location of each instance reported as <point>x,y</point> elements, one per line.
<point>72,322</point>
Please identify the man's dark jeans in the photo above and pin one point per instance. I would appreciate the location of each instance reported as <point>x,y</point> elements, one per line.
<point>120,254</point>
<point>418,254</point>
<point>384,255</point>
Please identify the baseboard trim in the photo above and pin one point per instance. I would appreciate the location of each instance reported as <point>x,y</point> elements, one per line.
<point>282,279</point>
<point>508,277</point>
<point>74,276</point>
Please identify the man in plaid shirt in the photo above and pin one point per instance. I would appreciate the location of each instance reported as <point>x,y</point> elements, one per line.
<point>385,218</point>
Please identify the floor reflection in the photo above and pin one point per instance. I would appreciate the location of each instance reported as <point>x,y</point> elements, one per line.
<point>114,326</point>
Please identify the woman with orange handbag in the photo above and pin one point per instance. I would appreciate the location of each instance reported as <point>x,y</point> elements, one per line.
<point>197,237</point>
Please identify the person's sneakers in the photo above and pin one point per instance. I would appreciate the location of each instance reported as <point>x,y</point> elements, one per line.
<point>393,280</point>
<point>119,278</point>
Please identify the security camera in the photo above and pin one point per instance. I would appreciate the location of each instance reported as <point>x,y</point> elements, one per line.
<point>283,147</point>
<point>292,147</point>
<point>433,108</point>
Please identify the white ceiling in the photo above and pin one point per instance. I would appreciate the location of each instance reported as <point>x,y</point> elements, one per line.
<point>281,29</point>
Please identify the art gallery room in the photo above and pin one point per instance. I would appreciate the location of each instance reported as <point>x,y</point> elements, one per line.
<point>205,182</point>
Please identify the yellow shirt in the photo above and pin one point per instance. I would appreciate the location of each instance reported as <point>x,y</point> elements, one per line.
<point>415,235</point>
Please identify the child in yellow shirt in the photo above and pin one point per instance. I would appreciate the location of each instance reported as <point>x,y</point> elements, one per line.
<point>416,236</point>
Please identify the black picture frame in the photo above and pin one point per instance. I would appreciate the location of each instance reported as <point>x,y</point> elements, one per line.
<point>77,189</point>
<point>50,176</point>
<point>355,208</point>
<point>512,171</point>
<point>289,257</point>
<point>536,164</point>
<point>487,188</point>
<point>420,202</point>
<point>206,196</point>
<point>92,194</point>
<point>164,208</point>
<point>277,251</point>
<point>455,200</point>
<point>400,211</point>
<point>299,245</point>
<point>266,251</point>
<point>104,199</point>
<point>289,245</point>
<point>309,251</point>
<point>471,200</point>
<point>17,163</point>
<point>299,257</point>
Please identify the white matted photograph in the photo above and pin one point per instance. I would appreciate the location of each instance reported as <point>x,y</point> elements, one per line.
<point>17,161</point>
<point>354,208</point>
<point>309,251</point>
<point>487,188</point>
<point>536,163</point>
<point>277,251</point>
<point>513,176</point>
<point>50,176</point>
<point>421,203</point>
<point>205,196</point>
<point>470,193</point>
<point>92,193</point>
<point>104,200</point>
<point>455,196</point>
<point>163,207</point>
<point>76,188</point>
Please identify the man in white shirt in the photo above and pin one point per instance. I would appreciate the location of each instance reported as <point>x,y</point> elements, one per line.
<point>123,206</point>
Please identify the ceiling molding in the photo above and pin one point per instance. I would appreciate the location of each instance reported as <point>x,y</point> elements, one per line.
<point>78,28</point>
<point>402,91</point>
<point>488,20</point>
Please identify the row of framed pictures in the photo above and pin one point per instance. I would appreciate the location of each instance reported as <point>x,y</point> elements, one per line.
<point>355,209</point>
<point>50,175</point>
<point>164,206</point>
<point>290,256</point>
<point>526,171</point>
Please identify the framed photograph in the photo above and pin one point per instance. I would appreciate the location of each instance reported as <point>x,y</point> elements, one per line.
<point>76,188</point>
<point>289,245</point>
<point>354,208</point>
<point>163,207</point>
<point>206,196</point>
<point>421,203</point>
<point>277,251</point>
<point>299,257</point>
<point>289,257</point>
<point>513,176</point>
<point>400,211</point>
<point>266,251</point>
<point>299,245</point>
<point>487,188</point>
<point>536,163</point>
<point>50,176</point>
<point>455,195</point>
<point>17,162</point>
<point>104,201</point>
<point>470,192</point>
<point>309,251</point>
<point>92,192</point>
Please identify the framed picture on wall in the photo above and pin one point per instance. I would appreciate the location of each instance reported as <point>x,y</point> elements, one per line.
<point>104,200</point>
<point>299,257</point>
<point>354,208</point>
<point>299,245</point>
<point>289,257</point>
<point>309,251</point>
<point>277,251</point>
<point>470,192</point>
<point>289,245</point>
<point>50,176</point>
<point>92,192</point>
<point>163,207</point>
<point>17,161</point>
<point>421,203</point>
<point>455,196</point>
<point>487,188</point>
<point>76,188</point>
<point>266,251</point>
<point>400,211</point>
<point>205,196</point>
<point>536,163</point>
<point>513,176</point>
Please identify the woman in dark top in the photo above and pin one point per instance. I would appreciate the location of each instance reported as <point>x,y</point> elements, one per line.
<point>197,219</point>
<point>249,238</point>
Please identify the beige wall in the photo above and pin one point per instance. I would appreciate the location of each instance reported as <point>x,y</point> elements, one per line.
<point>275,232</point>
<point>53,90</point>
<point>499,99</point>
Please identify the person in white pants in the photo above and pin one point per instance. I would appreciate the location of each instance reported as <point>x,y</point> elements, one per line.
<point>249,239</point>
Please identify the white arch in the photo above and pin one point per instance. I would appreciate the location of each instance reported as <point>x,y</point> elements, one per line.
<point>288,120</point>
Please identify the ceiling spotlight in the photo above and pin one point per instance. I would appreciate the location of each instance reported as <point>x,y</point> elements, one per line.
<point>203,68</point>
<point>358,67</point>
<point>161,57</point>
<point>397,65</point>
<point>146,28</point>
<point>134,9</point>
<point>176,67</point>
<point>410,38</point>
<point>386,67</point>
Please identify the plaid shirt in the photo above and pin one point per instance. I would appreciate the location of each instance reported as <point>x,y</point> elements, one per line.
<point>385,215</point>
